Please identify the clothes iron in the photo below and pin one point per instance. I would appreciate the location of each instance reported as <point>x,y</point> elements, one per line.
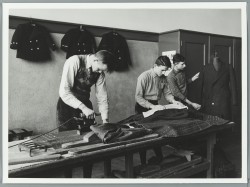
<point>84,123</point>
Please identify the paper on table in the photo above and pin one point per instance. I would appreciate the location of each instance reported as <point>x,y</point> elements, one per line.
<point>169,106</point>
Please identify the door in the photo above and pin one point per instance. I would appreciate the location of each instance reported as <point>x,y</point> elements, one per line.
<point>194,47</point>
<point>224,47</point>
<point>237,67</point>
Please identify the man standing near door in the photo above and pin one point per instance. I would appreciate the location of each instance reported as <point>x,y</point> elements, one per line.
<point>178,83</point>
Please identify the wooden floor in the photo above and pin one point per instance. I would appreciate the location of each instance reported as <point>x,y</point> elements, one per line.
<point>230,141</point>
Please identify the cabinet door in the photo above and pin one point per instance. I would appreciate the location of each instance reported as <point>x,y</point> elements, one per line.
<point>194,47</point>
<point>224,48</point>
<point>237,68</point>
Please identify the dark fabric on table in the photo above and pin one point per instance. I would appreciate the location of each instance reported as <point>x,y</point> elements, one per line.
<point>176,122</point>
<point>111,132</point>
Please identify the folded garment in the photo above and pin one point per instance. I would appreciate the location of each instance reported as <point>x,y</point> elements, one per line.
<point>112,132</point>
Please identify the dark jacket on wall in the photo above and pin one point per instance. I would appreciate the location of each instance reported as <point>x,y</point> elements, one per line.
<point>218,90</point>
<point>116,44</point>
<point>78,41</point>
<point>32,42</point>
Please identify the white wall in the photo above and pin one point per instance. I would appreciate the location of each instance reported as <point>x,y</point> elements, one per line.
<point>33,87</point>
<point>216,21</point>
<point>28,92</point>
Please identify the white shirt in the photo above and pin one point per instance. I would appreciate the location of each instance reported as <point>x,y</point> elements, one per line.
<point>70,69</point>
<point>151,87</point>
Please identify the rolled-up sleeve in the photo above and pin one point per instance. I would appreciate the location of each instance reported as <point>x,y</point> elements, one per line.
<point>102,96</point>
<point>167,93</point>
<point>140,90</point>
<point>70,69</point>
<point>173,86</point>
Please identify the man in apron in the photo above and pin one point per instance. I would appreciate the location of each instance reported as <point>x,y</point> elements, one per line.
<point>80,72</point>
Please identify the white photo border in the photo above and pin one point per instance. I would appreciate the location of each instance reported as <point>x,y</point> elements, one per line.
<point>193,5</point>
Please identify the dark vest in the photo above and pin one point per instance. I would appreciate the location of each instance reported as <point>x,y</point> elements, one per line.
<point>84,79</point>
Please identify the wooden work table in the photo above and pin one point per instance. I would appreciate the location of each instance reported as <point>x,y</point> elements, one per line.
<point>85,159</point>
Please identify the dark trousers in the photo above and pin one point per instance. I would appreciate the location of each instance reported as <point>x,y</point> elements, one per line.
<point>158,152</point>
<point>65,114</point>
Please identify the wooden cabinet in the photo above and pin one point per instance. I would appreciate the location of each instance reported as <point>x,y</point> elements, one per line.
<point>237,67</point>
<point>194,47</point>
<point>197,48</point>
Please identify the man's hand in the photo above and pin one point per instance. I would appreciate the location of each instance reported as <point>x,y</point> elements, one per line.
<point>158,107</point>
<point>196,76</point>
<point>196,106</point>
<point>90,114</point>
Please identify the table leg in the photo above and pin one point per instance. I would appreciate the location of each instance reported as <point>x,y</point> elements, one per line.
<point>107,168</point>
<point>129,165</point>
<point>211,141</point>
<point>68,173</point>
<point>143,157</point>
<point>87,170</point>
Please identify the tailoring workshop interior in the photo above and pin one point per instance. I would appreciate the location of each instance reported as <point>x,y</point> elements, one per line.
<point>197,34</point>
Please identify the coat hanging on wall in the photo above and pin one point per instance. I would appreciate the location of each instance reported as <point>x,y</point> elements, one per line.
<point>116,44</point>
<point>32,42</point>
<point>218,89</point>
<point>78,41</point>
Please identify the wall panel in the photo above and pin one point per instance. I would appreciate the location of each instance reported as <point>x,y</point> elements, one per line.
<point>33,87</point>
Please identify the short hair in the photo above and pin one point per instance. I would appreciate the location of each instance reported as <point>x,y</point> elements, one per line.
<point>163,61</point>
<point>178,58</point>
<point>107,58</point>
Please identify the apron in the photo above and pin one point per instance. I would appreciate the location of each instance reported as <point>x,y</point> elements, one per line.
<point>84,79</point>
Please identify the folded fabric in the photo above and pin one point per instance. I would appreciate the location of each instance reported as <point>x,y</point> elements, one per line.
<point>112,132</point>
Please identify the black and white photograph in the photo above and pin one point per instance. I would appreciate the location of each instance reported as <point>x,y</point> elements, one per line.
<point>124,92</point>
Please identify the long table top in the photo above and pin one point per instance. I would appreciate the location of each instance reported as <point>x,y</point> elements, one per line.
<point>115,150</point>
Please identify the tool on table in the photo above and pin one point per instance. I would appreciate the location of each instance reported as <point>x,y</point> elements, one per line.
<point>30,146</point>
<point>84,123</point>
